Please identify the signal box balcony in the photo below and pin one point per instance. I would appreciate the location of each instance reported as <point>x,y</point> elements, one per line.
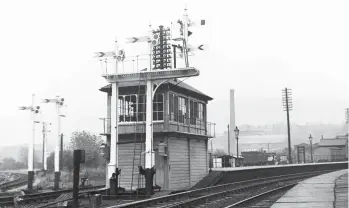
<point>168,125</point>
<point>177,107</point>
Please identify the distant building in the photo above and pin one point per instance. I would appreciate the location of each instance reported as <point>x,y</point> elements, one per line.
<point>302,157</point>
<point>307,146</point>
<point>335,149</point>
<point>249,142</point>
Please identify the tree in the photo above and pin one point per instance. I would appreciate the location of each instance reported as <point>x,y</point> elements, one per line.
<point>10,163</point>
<point>90,143</point>
<point>23,154</point>
<point>67,161</point>
<point>79,140</point>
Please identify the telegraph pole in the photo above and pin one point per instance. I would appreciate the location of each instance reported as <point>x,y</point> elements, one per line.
<point>287,104</point>
<point>232,120</point>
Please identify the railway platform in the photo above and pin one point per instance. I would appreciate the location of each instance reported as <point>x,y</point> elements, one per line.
<point>327,190</point>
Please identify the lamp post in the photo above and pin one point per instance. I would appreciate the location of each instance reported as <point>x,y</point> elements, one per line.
<point>236,130</point>
<point>311,147</point>
<point>228,141</point>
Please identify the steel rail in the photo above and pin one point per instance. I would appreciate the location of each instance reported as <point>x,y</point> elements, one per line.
<point>45,195</point>
<point>250,199</point>
<point>20,180</point>
<point>194,201</point>
<point>196,192</point>
<point>18,177</point>
<point>60,201</point>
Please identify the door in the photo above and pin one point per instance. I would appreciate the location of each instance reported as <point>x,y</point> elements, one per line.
<point>161,176</point>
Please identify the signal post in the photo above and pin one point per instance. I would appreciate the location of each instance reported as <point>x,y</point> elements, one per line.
<point>59,103</point>
<point>44,145</point>
<point>160,70</point>
<point>35,110</point>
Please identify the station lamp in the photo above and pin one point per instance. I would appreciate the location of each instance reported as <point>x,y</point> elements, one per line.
<point>162,149</point>
<point>236,130</point>
<point>311,147</point>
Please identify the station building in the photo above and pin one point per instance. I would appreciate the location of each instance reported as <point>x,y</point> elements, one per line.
<point>332,149</point>
<point>180,134</point>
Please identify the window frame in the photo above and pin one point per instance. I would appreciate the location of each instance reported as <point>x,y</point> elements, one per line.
<point>192,110</point>
<point>139,114</point>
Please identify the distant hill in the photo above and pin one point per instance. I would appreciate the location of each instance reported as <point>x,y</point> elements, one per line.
<point>10,151</point>
<point>274,136</point>
<point>250,141</point>
<point>14,151</point>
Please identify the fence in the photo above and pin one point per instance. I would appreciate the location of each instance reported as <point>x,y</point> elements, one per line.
<point>319,158</point>
<point>222,161</point>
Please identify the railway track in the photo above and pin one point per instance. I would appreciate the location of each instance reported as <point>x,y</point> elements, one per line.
<point>42,197</point>
<point>226,195</point>
<point>221,195</point>
<point>20,180</point>
<point>271,195</point>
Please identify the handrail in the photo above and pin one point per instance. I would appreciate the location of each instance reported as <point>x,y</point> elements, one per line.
<point>200,126</point>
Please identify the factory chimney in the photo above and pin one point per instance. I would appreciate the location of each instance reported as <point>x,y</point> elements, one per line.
<point>232,123</point>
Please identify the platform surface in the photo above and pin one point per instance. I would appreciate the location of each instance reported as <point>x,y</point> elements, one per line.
<point>327,190</point>
<point>229,169</point>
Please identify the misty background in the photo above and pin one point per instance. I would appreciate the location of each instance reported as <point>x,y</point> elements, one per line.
<point>255,47</point>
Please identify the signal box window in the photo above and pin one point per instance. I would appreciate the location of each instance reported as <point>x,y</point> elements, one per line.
<point>132,108</point>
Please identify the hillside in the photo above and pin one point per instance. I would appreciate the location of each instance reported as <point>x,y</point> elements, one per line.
<point>275,136</point>
<point>14,151</point>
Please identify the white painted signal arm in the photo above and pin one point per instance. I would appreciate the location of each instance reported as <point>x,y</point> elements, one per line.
<point>49,100</point>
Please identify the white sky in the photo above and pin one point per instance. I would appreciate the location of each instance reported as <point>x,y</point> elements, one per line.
<point>256,47</point>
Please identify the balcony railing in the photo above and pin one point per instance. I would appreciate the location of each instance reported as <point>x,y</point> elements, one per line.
<point>189,125</point>
<point>168,123</point>
<point>106,126</point>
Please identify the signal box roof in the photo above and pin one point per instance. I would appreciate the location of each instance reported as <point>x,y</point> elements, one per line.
<point>173,83</point>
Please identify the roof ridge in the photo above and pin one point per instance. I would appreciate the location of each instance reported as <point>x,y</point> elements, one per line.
<point>178,83</point>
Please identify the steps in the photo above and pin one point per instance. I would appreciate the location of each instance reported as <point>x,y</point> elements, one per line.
<point>209,180</point>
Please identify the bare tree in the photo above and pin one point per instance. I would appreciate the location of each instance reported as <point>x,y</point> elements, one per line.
<point>90,143</point>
